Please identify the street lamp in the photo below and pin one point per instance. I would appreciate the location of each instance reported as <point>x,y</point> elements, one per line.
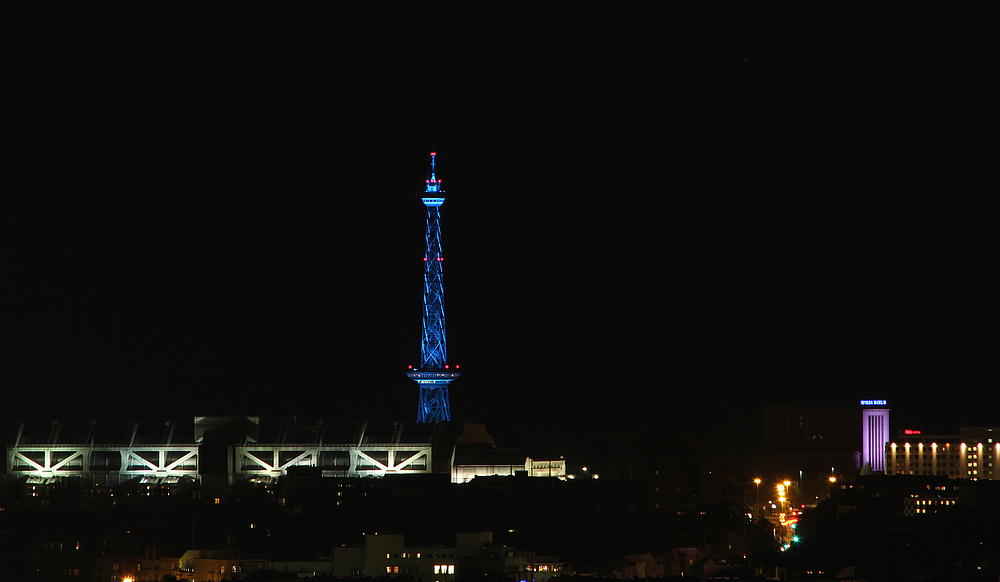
<point>756,507</point>
<point>782,491</point>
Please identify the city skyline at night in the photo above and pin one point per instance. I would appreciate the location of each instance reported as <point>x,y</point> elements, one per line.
<point>652,204</point>
<point>721,281</point>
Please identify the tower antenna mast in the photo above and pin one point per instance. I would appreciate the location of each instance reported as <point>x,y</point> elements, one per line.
<point>434,374</point>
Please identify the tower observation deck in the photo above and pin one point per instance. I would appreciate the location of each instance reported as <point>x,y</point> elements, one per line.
<point>434,374</point>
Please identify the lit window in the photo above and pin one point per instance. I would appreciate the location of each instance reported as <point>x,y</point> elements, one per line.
<point>451,568</point>
<point>437,568</point>
<point>388,569</point>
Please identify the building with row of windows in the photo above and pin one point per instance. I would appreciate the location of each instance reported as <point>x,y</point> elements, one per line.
<point>971,454</point>
<point>164,455</point>
<point>473,556</point>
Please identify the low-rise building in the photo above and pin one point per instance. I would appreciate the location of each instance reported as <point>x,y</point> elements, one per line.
<point>971,454</point>
<point>474,555</point>
<point>146,567</point>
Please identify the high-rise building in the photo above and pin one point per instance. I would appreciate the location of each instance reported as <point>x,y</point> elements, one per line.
<point>874,433</point>
<point>433,375</point>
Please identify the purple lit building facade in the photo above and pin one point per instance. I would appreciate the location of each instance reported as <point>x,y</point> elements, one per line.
<point>874,433</point>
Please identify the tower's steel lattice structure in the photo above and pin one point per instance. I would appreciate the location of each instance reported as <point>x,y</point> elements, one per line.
<point>433,375</point>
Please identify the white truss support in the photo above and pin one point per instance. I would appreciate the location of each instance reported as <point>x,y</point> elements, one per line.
<point>296,461</point>
<point>246,456</point>
<point>131,459</point>
<point>28,461</point>
<point>58,466</point>
<point>189,455</point>
<point>406,462</point>
<point>257,460</point>
<point>83,460</point>
<point>381,466</point>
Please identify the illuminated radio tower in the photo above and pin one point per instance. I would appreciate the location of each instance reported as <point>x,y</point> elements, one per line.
<point>433,375</point>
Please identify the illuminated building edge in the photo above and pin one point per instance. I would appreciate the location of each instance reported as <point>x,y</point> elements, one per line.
<point>260,462</point>
<point>333,460</point>
<point>461,473</point>
<point>255,461</point>
<point>124,461</point>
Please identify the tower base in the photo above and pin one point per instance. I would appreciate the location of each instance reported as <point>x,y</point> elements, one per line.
<point>433,405</point>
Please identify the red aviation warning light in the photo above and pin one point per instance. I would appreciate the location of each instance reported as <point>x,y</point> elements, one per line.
<point>433,193</point>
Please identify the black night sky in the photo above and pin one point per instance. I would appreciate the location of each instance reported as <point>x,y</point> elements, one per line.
<point>656,216</point>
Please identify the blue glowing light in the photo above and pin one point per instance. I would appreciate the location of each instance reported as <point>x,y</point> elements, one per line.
<point>873,403</point>
<point>430,376</point>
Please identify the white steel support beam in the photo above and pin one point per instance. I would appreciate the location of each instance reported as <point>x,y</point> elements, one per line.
<point>357,460</point>
<point>70,460</point>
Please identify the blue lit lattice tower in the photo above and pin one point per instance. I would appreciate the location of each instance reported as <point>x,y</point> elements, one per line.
<point>433,375</point>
